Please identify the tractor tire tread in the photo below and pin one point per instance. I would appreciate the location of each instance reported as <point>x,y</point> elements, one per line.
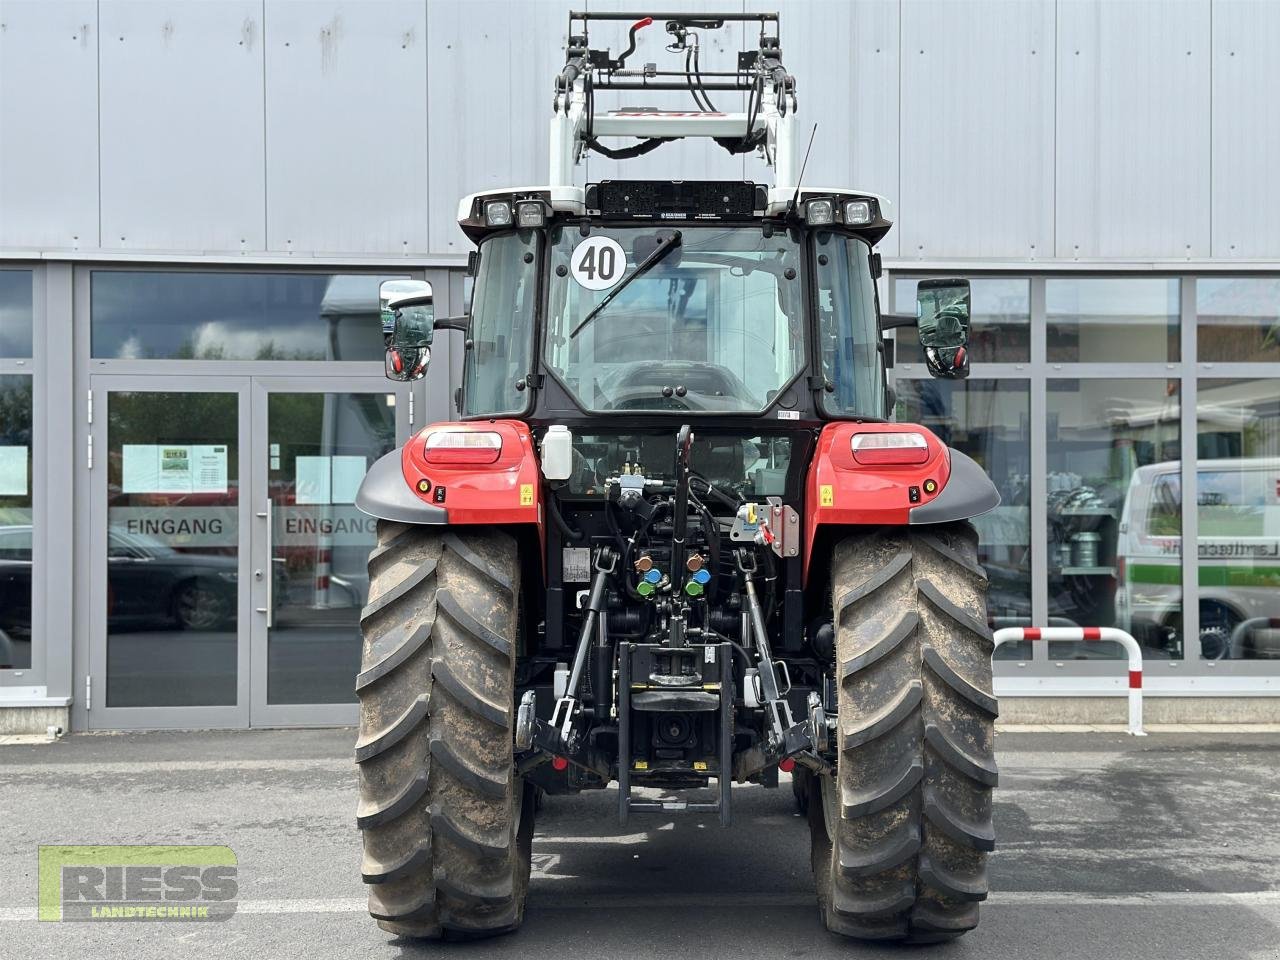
<point>446,821</point>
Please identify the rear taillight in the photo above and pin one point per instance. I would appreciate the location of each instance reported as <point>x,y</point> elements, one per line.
<point>880,448</point>
<point>462,446</point>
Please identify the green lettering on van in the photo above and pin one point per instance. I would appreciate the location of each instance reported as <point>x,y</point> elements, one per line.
<point>1211,575</point>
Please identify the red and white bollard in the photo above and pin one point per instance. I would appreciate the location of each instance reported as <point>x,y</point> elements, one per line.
<point>1014,634</point>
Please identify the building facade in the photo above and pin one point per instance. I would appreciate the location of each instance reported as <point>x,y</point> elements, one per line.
<point>198,200</point>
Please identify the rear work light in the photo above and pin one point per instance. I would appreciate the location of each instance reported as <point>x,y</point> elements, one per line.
<point>858,213</point>
<point>459,446</point>
<point>879,448</point>
<point>497,213</point>
<point>530,213</point>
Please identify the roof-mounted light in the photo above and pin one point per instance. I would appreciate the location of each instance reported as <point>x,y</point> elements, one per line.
<point>497,213</point>
<point>820,212</point>
<point>859,213</point>
<point>882,448</point>
<point>530,213</point>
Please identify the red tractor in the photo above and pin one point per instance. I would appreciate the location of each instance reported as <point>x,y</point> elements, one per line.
<point>674,539</point>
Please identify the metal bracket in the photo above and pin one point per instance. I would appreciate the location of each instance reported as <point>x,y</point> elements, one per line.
<point>537,741</point>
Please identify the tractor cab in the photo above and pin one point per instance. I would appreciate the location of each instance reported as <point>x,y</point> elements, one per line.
<point>670,297</point>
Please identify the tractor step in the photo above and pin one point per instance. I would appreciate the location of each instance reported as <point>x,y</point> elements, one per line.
<point>709,690</point>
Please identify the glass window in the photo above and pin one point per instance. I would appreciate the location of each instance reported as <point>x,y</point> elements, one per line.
<point>215,315</point>
<point>1113,319</point>
<point>15,522</point>
<point>990,421</point>
<point>1001,327</point>
<point>1114,520</point>
<point>716,325</point>
<point>504,304</point>
<point>320,445</point>
<point>847,330</point>
<point>1238,318</point>
<point>173,486</point>
<point>1238,509</point>
<point>16,313</point>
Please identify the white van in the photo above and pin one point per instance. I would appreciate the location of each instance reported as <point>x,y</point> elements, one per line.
<point>1239,555</point>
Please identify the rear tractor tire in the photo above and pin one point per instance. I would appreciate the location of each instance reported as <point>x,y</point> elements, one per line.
<point>447,824</point>
<point>900,833</point>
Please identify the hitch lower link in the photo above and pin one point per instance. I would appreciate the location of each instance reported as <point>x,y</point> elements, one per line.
<point>805,742</point>
<point>537,741</point>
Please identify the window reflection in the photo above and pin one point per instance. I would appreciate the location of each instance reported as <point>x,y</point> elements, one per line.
<point>989,420</point>
<point>1238,511</point>
<point>15,522</point>
<point>1114,520</point>
<point>1113,319</point>
<point>179,315</point>
<point>16,313</point>
<point>1238,318</point>
<point>173,541</point>
<point>319,446</point>
<point>1001,328</point>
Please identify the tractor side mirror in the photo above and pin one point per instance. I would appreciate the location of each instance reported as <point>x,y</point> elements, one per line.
<point>408,325</point>
<point>942,321</point>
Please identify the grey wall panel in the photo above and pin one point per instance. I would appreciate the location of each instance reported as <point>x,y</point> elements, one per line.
<point>48,124</point>
<point>181,125</point>
<point>491,71</point>
<point>976,129</point>
<point>347,137</point>
<point>1246,129</point>
<point>1133,176</point>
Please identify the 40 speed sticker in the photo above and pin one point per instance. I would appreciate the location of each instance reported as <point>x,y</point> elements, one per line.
<point>597,263</point>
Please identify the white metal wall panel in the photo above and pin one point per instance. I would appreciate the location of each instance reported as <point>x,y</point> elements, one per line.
<point>181,125</point>
<point>1133,158</point>
<point>48,125</point>
<point>1246,129</point>
<point>683,159</point>
<point>976,129</point>
<point>491,70</point>
<point>346,96</point>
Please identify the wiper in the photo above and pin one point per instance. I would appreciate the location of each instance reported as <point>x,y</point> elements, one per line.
<point>645,265</point>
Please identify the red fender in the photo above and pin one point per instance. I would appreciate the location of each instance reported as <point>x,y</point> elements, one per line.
<point>505,490</point>
<point>841,491</point>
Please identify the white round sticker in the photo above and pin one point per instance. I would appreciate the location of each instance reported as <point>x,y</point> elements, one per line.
<point>598,263</point>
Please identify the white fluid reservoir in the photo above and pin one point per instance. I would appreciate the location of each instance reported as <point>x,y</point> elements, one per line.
<point>557,453</point>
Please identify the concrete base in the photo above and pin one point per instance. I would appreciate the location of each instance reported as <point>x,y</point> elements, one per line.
<point>15,720</point>
<point>1155,710</point>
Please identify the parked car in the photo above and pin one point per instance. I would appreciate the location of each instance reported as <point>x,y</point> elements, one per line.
<point>148,582</point>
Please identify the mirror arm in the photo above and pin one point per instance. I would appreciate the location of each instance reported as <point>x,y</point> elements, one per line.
<point>892,321</point>
<point>453,323</point>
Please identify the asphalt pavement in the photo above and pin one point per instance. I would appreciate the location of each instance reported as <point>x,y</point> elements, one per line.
<point>1108,847</point>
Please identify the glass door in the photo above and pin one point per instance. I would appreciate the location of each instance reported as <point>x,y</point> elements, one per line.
<point>170,552</point>
<point>313,442</point>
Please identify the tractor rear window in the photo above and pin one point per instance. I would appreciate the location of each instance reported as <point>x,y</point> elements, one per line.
<point>714,322</point>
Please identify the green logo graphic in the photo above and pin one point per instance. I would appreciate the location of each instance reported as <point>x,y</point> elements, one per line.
<point>137,883</point>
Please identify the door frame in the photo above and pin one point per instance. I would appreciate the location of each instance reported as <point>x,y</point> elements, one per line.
<point>262,713</point>
<point>99,715</point>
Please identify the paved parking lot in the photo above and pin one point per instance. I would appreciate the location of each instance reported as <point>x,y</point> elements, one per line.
<point>1109,847</point>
